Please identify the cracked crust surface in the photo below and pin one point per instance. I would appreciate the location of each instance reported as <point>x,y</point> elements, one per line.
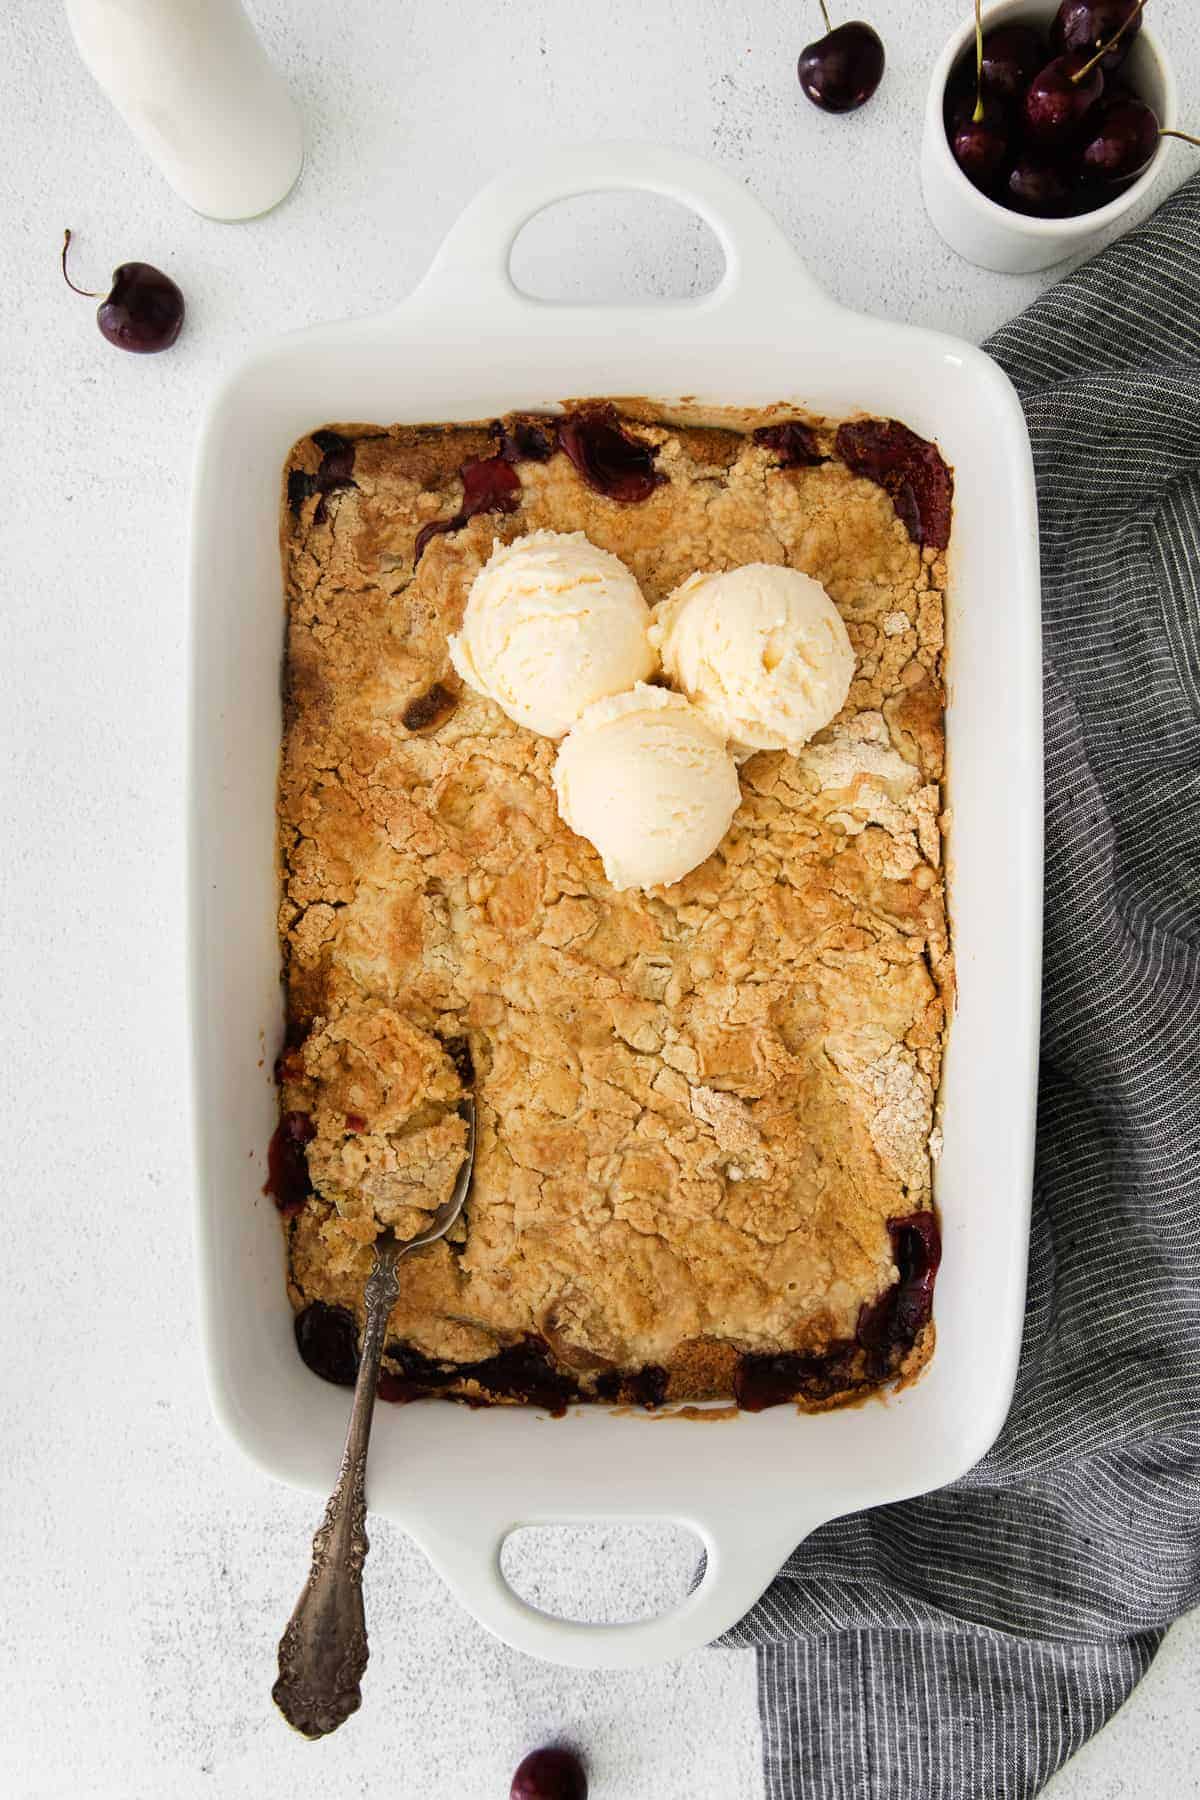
<point>698,1107</point>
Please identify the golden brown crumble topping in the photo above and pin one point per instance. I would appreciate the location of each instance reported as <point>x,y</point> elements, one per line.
<point>698,1107</point>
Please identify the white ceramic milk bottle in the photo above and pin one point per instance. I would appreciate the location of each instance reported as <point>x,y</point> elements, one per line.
<point>192,81</point>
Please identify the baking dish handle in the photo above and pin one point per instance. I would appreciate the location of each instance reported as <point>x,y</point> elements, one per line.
<point>472,266</point>
<point>739,1565</point>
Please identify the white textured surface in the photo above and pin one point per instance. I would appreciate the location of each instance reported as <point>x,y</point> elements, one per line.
<point>146,1571</point>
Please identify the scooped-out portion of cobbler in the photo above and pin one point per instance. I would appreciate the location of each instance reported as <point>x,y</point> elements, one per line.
<point>705,1110</point>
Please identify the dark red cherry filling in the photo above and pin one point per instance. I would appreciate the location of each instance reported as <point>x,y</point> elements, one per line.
<point>336,471</point>
<point>909,468</point>
<point>762,1381</point>
<point>337,459</point>
<point>327,1339</point>
<point>433,707</point>
<point>300,487</point>
<point>649,1386</point>
<point>794,444</point>
<point>607,457</point>
<point>887,1330</point>
<point>529,440</point>
<point>612,462</point>
<point>890,1326</point>
<point>490,485</point>
<point>288,1064</point>
<point>522,1371</point>
<point>288,1181</point>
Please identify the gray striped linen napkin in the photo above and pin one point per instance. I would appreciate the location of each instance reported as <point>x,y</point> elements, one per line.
<point>962,1646</point>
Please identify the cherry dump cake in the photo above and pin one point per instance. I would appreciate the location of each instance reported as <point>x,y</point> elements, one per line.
<point>705,1109</point>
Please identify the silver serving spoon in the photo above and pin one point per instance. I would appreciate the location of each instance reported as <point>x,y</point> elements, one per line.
<point>323,1652</point>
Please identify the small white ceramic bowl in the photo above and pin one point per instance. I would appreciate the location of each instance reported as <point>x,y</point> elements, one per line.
<point>990,235</point>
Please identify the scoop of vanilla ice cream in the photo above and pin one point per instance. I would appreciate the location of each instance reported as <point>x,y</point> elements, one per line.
<point>645,779</point>
<point>762,651</point>
<point>552,623</point>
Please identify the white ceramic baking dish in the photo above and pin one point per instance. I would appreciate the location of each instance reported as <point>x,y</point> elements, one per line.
<point>467,345</point>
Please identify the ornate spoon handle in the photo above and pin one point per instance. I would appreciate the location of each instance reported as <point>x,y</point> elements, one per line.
<point>323,1652</point>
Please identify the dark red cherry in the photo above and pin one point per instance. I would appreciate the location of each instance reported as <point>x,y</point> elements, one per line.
<point>840,71</point>
<point>1039,186</point>
<point>794,444</point>
<point>1087,24</point>
<point>550,1774</point>
<point>327,1339</point>
<point>1121,138</point>
<point>909,468</point>
<point>143,310</point>
<point>1059,98</point>
<point>608,458</point>
<point>490,484</point>
<point>529,440</point>
<point>889,1326</point>
<point>1012,56</point>
<point>288,1181</point>
<point>335,472</point>
<point>959,100</point>
<point>981,147</point>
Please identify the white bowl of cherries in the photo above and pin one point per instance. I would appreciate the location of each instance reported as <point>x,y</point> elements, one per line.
<point>1044,124</point>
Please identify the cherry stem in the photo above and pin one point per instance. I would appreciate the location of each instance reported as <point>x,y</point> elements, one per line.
<point>977,115</point>
<point>1112,43</point>
<point>86,292</point>
<point>825,15</point>
<point>1183,136</point>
